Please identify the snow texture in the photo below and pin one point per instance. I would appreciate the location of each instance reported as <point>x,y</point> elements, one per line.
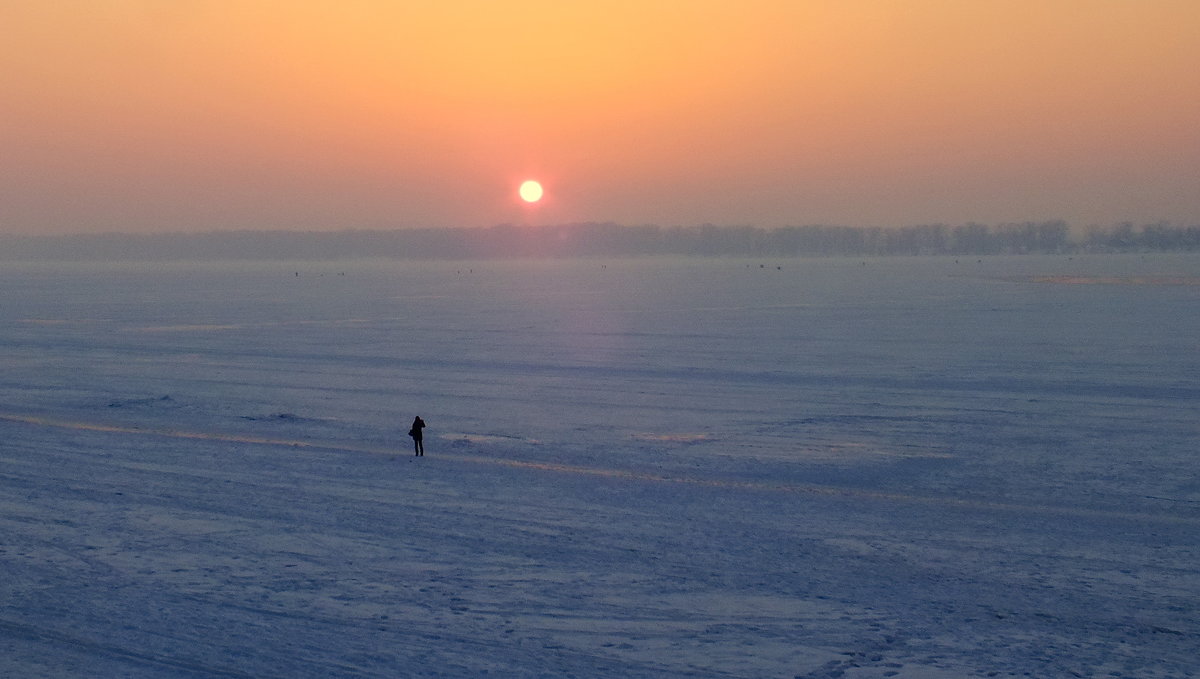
<point>916,468</point>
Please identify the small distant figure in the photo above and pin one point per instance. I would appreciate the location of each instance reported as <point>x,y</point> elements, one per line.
<point>418,439</point>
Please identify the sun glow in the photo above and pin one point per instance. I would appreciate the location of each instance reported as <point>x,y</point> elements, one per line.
<point>359,112</point>
<point>530,191</point>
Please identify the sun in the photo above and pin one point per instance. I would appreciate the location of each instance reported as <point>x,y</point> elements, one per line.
<point>530,191</point>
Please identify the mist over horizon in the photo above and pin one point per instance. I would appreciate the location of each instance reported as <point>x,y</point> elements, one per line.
<point>604,239</point>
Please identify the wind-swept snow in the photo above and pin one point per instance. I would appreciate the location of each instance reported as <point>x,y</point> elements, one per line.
<point>913,468</point>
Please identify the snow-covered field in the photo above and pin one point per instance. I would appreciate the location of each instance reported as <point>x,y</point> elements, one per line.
<point>921,468</point>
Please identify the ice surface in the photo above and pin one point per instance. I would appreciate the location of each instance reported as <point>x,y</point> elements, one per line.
<point>637,468</point>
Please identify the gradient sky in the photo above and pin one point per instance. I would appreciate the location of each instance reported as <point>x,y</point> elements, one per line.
<point>179,115</point>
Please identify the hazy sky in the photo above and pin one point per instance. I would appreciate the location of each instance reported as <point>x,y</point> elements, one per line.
<point>172,115</point>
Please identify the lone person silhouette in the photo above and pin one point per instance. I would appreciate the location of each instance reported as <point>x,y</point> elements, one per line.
<point>418,440</point>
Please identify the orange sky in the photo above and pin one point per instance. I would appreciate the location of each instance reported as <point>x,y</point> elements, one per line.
<point>147,115</point>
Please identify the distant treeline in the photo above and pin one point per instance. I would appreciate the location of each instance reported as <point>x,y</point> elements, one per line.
<point>607,240</point>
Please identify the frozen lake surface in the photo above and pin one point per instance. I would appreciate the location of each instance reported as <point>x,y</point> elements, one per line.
<point>907,467</point>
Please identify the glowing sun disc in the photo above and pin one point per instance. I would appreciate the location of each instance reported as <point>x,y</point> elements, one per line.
<point>530,191</point>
